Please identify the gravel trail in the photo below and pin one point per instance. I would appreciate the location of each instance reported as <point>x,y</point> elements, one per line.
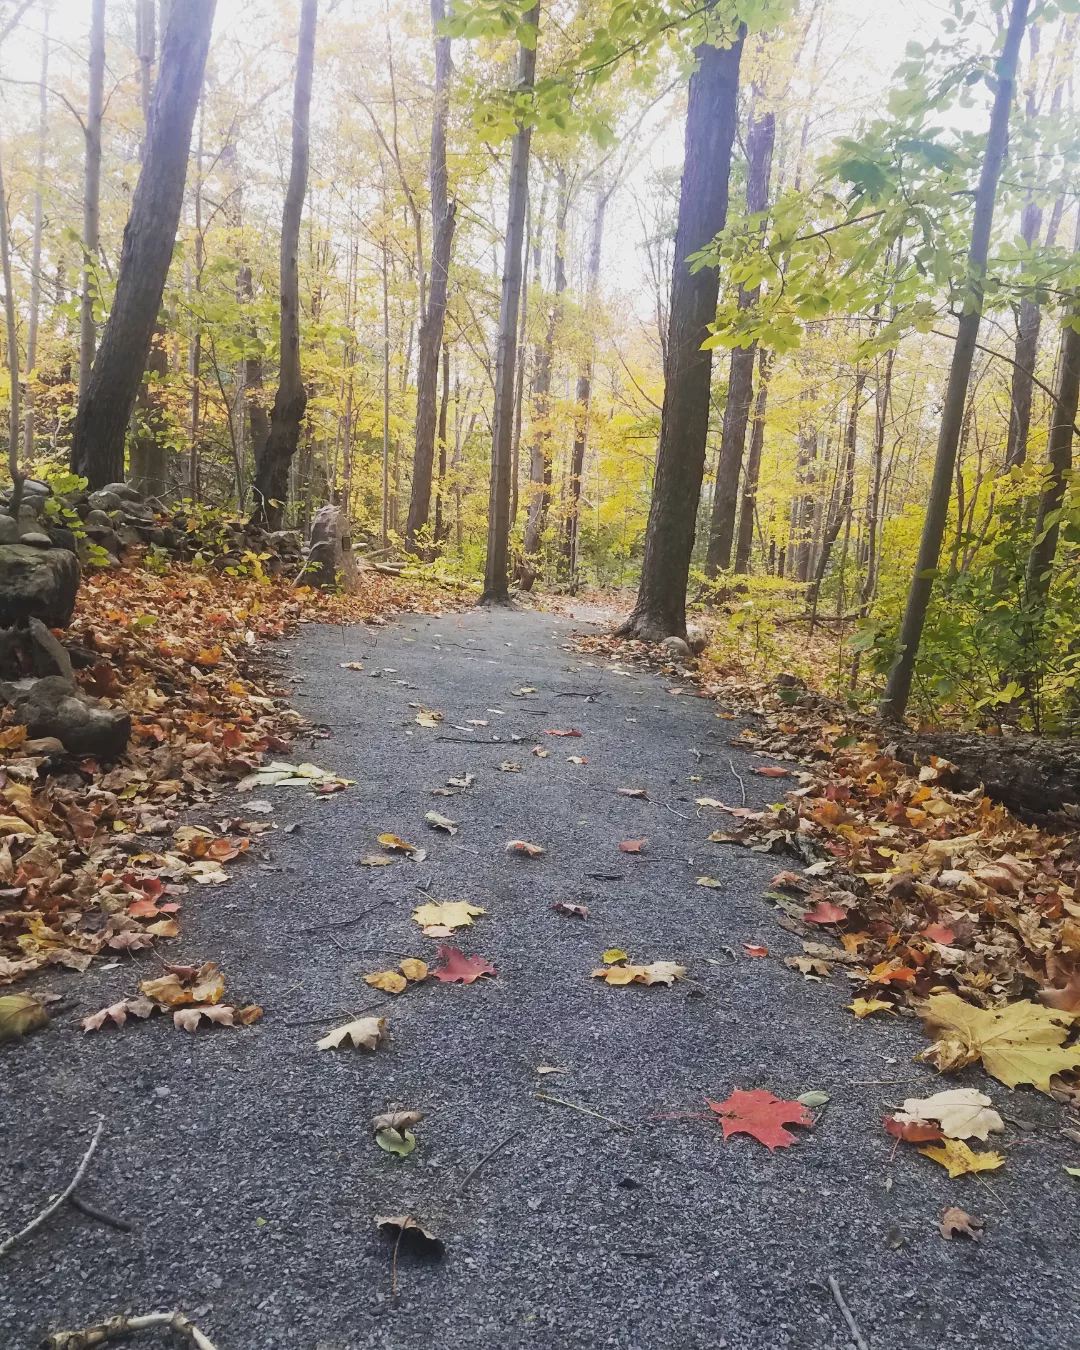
<point>245,1159</point>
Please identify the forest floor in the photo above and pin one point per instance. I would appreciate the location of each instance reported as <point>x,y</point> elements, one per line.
<point>565,1158</point>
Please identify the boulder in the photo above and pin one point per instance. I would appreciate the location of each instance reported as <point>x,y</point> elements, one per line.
<point>46,653</point>
<point>9,530</point>
<point>101,518</point>
<point>329,557</point>
<point>677,648</point>
<point>37,583</point>
<point>124,491</point>
<point>54,707</point>
<point>697,640</point>
<point>36,539</point>
<point>62,537</point>
<point>104,500</point>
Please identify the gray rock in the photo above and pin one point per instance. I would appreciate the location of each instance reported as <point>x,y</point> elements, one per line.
<point>47,654</point>
<point>105,537</point>
<point>124,491</point>
<point>676,647</point>
<point>9,530</point>
<point>54,707</point>
<point>37,583</point>
<point>697,639</point>
<point>101,518</point>
<point>103,500</point>
<point>62,537</point>
<point>35,539</point>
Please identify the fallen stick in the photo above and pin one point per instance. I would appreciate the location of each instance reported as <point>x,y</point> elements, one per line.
<point>860,1340</point>
<point>585,1110</point>
<point>10,1243</point>
<point>117,1327</point>
<point>742,781</point>
<point>488,1156</point>
<point>92,1212</point>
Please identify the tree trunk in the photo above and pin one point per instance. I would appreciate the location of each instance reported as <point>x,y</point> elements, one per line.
<point>1025,354</point>
<point>1059,466</point>
<point>519,380</point>
<point>35,246</point>
<point>12,355</point>
<point>583,395</point>
<point>441,530</point>
<point>97,449</point>
<point>660,610</point>
<point>842,506</point>
<point>745,537</point>
<point>91,241</point>
<point>760,139</point>
<point>271,486</point>
<point>873,506</point>
<point>431,328</point>
<point>540,450</point>
<point>497,563</point>
<point>898,688</point>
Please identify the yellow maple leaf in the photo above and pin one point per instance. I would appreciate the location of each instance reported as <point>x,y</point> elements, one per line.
<point>955,1155</point>
<point>389,981</point>
<point>618,974</point>
<point>365,1034</point>
<point>446,914</point>
<point>1021,1043</point>
<point>865,1007</point>
<point>414,969</point>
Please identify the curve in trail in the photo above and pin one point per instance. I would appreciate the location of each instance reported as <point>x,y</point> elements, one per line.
<point>246,1159</point>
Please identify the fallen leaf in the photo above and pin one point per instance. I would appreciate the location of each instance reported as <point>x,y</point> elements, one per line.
<point>443,823</point>
<point>711,882</point>
<point>404,1230</point>
<point>1020,1043</point>
<point>509,766</point>
<point>377,860</point>
<point>639,793</point>
<point>351,665</point>
<point>524,848</point>
<point>395,844</point>
<point>396,1120</point>
<point>760,1114</point>
<point>389,981</point>
<point>414,969</point>
<point>446,914</point>
<point>523,692</point>
<point>958,1159</point>
<point>912,1131</point>
<point>772,771</point>
<point>428,717</point>
<point>118,1013</point>
<point>364,1034</point>
<point>658,972</point>
<point>399,1142</point>
<point>457,968</point>
<point>572,731</point>
<point>19,1015</point>
<point>755,949</point>
<point>166,989</point>
<point>963,1113</point>
<point>814,1099</point>
<point>574,911</point>
<point>577,759</point>
<point>866,1007</point>
<point>632,845</point>
<point>789,881</point>
<point>614,954</point>
<point>824,912</point>
<point>958,1223</point>
<point>540,752</point>
<point>187,1019</point>
<point>809,967</point>
<point>938,932</point>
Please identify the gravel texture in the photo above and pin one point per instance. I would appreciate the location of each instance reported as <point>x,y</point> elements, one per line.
<point>245,1158</point>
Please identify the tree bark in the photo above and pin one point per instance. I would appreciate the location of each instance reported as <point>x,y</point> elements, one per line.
<point>583,395</point>
<point>271,486</point>
<point>497,562</point>
<point>97,449</point>
<point>660,610</point>
<point>91,242</point>
<point>841,507</point>
<point>11,334</point>
<point>760,139</point>
<point>882,396</point>
<point>898,687</point>
<point>1059,466</point>
<point>745,536</point>
<point>431,329</point>
<point>440,528</point>
<point>35,246</point>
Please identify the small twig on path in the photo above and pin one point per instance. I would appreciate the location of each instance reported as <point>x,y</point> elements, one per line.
<point>469,740</point>
<point>682,816</point>
<point>92,1212</point>
<point>488,1156</point>
<point>585,1111</point>
<point>55,1204</point>
<point>581,693</point>
<point>343,923</point>
<point>860,1340</point>
<point>742,781</point>
<point>118,1327</point>
<point>393,1262</point>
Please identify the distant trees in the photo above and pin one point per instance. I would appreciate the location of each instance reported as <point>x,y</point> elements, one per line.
<point>273,457</point>
<point>105,404</point>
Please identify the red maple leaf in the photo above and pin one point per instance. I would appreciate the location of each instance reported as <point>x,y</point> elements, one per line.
<point>632,846</point>
<point>939,932</point>
<point>457,968</point>
<point>573,731</point>
<point>825,912</point>
<point>912,1131</point>
<point>762,1115</point>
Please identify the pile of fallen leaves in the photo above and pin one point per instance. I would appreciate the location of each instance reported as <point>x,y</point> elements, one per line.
<point>91,859</point>
<point>930,896</point>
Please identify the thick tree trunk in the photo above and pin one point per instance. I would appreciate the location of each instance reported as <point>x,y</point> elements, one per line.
<point>898,688</point>
<point>660,610</point>
<point>271,486</point>
<point>97,449</point>
<point>497,563</point>
<point>431,329</point>
<point>540,449</point>
<point>519,379</point>
<point>760,139</point>
<point>745,537</point>
<point>440,529</point>
<point>91,242</point>
<point>583,397</point>
<point>35,246</point>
